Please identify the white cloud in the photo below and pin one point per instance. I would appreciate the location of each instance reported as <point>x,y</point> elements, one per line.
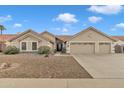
<point>65,30</point>
<point>62,29</point>
<point>17,25</point>
<point>5,18</point>
<point>106,9</point>
<point>94,19</point>
<point>67,18</point>
<point>120,25</point>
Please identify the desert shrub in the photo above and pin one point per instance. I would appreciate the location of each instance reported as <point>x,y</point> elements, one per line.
<point>11,50</point>
<point>44,50</point>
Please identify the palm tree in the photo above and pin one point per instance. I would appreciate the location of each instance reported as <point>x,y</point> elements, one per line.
<point>2,28</point>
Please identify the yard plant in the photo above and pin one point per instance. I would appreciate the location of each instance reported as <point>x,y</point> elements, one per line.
<point>44,50</point>
<point>2,28</point>
<point>11,50</point>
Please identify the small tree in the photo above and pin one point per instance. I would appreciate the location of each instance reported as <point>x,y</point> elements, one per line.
<point>2,28</point>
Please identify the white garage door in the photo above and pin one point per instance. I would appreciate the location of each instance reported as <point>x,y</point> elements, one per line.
<point>104,47</point>
<point>82,48</point>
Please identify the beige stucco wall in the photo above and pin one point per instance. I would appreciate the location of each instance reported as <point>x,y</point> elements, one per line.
<point>90,35</point>
<point>48,36</point>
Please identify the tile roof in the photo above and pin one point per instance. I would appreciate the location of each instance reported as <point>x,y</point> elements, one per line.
<point>47,33</point>
<point>118,37</point>
<point>64,37</point>
<point>6,37</point>
<point>27,31</point>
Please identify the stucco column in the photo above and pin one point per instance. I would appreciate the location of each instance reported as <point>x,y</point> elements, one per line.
<point>54,44</point>
<point>68,47</point>
<point>96,47</point>
<point>112,47</point>
<point>121,49</point>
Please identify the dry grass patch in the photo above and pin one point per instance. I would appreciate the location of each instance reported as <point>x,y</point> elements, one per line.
<point>36,66</point>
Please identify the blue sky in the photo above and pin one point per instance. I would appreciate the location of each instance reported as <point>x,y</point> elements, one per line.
<point>62,20</point>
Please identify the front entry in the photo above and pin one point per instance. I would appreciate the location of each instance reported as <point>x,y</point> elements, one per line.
<point>59,46</point>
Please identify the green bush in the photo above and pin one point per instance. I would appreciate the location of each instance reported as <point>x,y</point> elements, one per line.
<point>44,50</point>
<point>11,50</point>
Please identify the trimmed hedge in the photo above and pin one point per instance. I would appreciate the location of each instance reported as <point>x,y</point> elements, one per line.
<point>44,50</point>
<point>11,50</point>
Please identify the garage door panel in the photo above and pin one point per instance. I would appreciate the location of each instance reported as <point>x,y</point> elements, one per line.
<point>82,48</point>
<point>104,47</point>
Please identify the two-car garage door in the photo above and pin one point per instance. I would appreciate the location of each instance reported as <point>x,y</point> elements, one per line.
<point>89,48</point>
<point>85,48</point>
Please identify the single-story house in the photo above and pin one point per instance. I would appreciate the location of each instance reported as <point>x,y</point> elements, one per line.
<point>88,41</point>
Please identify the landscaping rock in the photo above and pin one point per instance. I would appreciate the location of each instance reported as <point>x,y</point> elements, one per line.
<point>4,65</point>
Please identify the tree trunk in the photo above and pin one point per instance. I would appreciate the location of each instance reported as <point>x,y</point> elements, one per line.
<point>1,41</point>
<point>1,31</point>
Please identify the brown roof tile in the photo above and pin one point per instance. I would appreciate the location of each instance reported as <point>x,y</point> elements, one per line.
<point>118,37</point>
<point>7,37</point>
<point>64,37</point>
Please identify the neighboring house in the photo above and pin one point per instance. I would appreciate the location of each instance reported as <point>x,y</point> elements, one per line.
<point>4,40</point>
<point>88,41</point>
<point>119,44</point>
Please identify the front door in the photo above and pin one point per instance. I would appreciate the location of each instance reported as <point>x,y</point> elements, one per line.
<point>59,46</point>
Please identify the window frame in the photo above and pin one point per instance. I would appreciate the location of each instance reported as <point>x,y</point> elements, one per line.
<point>22,46</point>
<point>36,45</point>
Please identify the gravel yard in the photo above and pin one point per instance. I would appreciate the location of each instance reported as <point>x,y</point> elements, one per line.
<point>37,66</point>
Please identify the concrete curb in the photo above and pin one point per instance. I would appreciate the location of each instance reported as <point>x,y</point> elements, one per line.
<point>61,83</point>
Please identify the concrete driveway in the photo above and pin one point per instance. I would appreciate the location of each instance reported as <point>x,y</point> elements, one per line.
<point>103,66</point>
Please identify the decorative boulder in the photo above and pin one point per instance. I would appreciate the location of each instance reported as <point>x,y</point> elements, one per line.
<point>4,65</point>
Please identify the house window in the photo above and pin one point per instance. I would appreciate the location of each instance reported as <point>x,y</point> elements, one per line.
<point>34,45</point>
<point>23,45</point>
